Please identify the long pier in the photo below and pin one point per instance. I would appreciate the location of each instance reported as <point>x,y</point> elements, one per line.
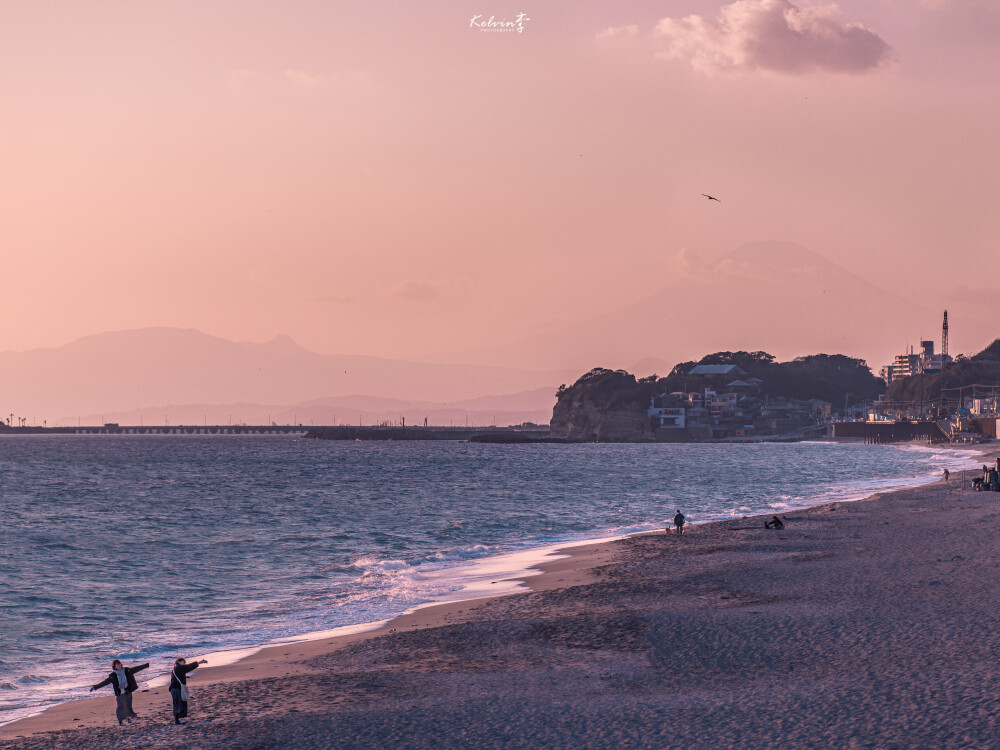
<point>114,429</point>
<point>339,432</point>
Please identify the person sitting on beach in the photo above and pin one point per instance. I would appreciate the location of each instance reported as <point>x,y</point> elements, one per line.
<point>679,522</point>
<point>774,523</point>
<point>178,687</point>
<point>124,684</point>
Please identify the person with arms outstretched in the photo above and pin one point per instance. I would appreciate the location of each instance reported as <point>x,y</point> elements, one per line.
<point>122,679</point>
<point>178,687</point>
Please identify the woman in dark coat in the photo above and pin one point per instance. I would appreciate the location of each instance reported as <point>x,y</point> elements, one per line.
<point>178,687</point>
<point>123,681</point>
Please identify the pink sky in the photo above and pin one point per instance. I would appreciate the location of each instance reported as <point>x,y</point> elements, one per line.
<point>380,178</point>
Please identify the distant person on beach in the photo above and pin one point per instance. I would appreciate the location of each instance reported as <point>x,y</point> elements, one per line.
<point>178,687</point>
<point>123,681</point>
<point>946,475</point>
<point>679,522</point>
<point>774,523</point>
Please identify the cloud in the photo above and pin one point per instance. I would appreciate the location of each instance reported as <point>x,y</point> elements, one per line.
<point>301,80</point>
<point>684,263</point>
<point>613,32</point>
<point>775,36</point>
<point>416,290</point>
<point>240,81</point>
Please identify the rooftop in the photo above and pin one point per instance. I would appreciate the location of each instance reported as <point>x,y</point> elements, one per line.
<point>716,370</point>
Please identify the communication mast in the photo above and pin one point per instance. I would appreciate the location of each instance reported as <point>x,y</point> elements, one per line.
<point>944,335</point>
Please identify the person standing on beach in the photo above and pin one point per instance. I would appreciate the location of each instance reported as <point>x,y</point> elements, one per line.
<point>679,522</point>
<point>123,681</point>
<point>178,687</point>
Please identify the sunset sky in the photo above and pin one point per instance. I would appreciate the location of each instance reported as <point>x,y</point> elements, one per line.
<point>386,178</point>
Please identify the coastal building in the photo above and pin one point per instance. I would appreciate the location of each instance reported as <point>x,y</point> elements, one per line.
<point>718,371</point>
<point>667,412</point>
<point>713,415</point>
<point>744,386</point>
<point>721,402</point>
<point>925,361</point>
<point>984,407</point>
<point>817,408</point>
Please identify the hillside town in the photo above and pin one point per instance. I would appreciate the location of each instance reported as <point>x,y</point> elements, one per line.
<point>731,408</point>
<point>730,403</point>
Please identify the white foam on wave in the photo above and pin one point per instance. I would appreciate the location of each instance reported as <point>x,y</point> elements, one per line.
<point>479,571</point>
<point>950,458</point>
<point>461,553</point>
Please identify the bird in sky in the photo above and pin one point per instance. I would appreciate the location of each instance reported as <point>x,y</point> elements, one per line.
<point>711,197</point>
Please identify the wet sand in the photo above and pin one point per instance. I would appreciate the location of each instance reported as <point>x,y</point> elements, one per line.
<point>866,624</point>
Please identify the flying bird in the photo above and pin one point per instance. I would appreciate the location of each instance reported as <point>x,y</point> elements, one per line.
<point>711,197</point>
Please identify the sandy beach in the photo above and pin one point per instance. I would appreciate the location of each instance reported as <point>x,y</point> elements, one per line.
<point>863,624</point>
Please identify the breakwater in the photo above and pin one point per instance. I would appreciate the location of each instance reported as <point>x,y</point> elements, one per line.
<point>479,434</point>
<point>877,433</point>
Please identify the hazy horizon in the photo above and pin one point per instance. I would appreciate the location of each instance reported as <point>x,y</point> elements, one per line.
<point>390,180</point>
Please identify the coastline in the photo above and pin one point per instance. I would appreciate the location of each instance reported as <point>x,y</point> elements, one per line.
<point>585,567</point>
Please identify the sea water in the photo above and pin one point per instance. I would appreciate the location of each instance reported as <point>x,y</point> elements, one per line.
<point>150,547</point>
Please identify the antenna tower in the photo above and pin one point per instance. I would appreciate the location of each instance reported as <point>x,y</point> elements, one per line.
<point>944,335</point>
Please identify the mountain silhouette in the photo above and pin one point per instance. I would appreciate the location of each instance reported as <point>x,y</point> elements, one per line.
<point>155,367</point>
<point>778,297</point>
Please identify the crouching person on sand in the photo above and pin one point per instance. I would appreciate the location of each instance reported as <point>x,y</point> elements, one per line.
<point>123,681</point>
<point>178,687</point>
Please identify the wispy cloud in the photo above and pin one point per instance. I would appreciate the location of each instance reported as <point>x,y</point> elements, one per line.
<point>416,290</point>
<point>614,32</point>
<point>245,81</point>
<point>301,80</point>
<point>774,36</point>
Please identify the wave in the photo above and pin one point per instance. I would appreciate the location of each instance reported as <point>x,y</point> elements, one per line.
<point>461,553</point>
<point>59,633</point>
<point>226,576</point>
<point>31,679</point>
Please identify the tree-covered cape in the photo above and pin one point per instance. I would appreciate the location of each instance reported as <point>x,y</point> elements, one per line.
<point>828,377</point>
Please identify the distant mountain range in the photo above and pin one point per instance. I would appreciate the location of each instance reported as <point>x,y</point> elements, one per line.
<point>185,375</point>
<point>772,296</point>
<point>778,297</point>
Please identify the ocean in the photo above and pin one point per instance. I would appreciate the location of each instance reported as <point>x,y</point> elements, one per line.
<point>150,547</point>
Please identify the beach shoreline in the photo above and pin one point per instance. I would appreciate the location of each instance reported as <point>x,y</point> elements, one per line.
<point>577,568</point>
